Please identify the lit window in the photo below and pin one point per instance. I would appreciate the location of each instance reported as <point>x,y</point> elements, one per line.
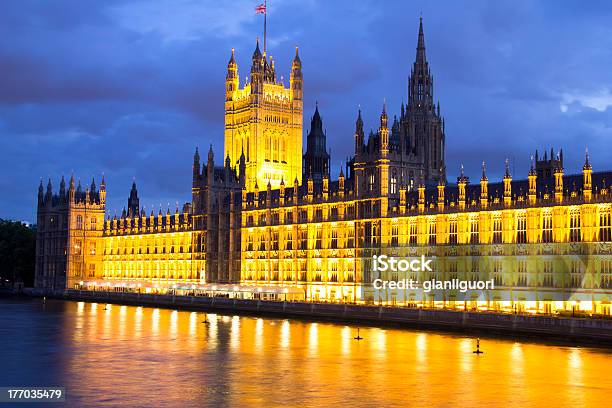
<point>432,232</point>
<point>521,230</point>
<point>497,228</point>
<point>547,226</point>
<point>452,231</point>
<point>605,231</point>
<point>575,225</point>
<point>474,236</point>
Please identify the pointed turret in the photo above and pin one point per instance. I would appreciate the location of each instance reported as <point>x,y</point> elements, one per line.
<point>49,193</point>
<point>507,185</point>
<point>232,77</point>
<point>441,186</point>
<point>41,192</point>
<point>384,119</point>
<point>210,165</point>
<point>421,201</point>
<point>71,190</point>
<point>227,168</point>
<point>558,182</point>
<point>341,182</point>
<point>461,184</point>
<point>296,79</point>
<point>103,191</point>
<point>297,63</point>
<point>587,182</point>
<point>316,157</point>
<point>484,187</point>
<point>133,201</point>
<point>532,177</point>
<point>62,188</point>
<point>93,193</point>
<point>257,71</point>
<point>242,169</point>
<point>359,135</point>
<point>256,54</point>
<point>196,165</point>
<point>383,131</point>
<point>79,192</point>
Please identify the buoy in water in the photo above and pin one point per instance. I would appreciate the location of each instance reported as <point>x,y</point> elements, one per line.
<point>477,351</point>
<point>358,336</point>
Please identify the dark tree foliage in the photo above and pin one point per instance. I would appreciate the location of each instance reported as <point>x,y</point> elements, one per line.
<point>17,252</point>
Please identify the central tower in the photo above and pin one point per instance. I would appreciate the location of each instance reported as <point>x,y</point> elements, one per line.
<point>263,122</point>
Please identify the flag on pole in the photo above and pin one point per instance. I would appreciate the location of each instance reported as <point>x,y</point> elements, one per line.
<point>261,9</point>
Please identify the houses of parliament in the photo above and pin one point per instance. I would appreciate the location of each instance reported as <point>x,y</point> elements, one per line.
<point>270,221</point>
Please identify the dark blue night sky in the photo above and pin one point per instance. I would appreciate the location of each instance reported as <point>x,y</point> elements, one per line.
<point>129,88</point>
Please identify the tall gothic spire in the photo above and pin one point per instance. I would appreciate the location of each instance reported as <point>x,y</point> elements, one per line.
<point>420,87</point>
<point>420,57</point>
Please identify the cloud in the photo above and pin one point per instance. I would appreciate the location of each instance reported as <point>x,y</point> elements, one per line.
<point>130,87</point>
<point>186,20</point>
<point>599,100</point>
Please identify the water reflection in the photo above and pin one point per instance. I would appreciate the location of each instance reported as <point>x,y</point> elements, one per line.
<point>155,322</point>
<point>235,333</point>
<point>285,334</point>
<point>346,340</point>
<point>313,338</point>
<point>259,334</point>
<point>189,359</point>
<point>212,326</point>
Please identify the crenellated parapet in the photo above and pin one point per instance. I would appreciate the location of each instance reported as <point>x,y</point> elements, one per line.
<point>141,223</point>
<point>505,194</point>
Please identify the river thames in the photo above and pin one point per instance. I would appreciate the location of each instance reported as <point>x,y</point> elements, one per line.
<point>112,355</point>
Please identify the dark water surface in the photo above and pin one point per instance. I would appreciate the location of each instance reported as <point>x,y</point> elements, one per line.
<point>111,355</point>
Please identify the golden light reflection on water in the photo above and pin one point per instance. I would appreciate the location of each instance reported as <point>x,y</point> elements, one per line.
<point>465,360</point>
<point>138,321</point>
<point>235,333</point>
<point>259,334</point>
<point>313,339</point>
<point>173,323</point>
<point>155,322</point>
<point>285,334</point>
<point>175,358</point>
<point>211,322</point>
<point>346,340</point>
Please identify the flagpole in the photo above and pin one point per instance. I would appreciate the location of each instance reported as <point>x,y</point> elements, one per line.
<point>265,17</point>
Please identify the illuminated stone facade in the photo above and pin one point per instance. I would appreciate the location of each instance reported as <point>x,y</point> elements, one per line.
<point>69,232</point>
<point>263,121</point>
<point>271,221</point>
<point>533,244</point>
